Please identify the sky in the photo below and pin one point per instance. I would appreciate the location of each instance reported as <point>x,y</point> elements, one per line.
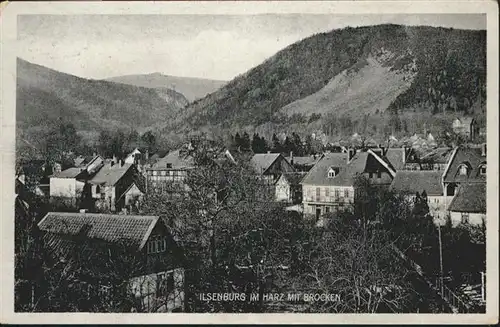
<point>206,46</point>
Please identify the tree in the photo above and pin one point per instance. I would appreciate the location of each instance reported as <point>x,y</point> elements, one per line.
<point>149,142</point>
<point>245,142</point>
<point>259,144</point>
<point>277,147</point>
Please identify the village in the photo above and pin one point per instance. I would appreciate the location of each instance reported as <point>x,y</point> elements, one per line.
<point>132,203</point>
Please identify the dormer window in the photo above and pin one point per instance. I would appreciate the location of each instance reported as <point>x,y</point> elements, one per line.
<point>482,170</point>
<point>463,169</point>
<point>332,172</point>
<point>169,165</point>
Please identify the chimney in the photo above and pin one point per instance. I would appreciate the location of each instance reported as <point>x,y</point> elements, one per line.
<point>147,154</point>
<point>268,151</point>
<point>291,158</point>
<point>483,150</point>
<point>121,162</point>
<point>94,154</point>
<point>112,163</point>
<point>350,154</point>
<point>114,159</point>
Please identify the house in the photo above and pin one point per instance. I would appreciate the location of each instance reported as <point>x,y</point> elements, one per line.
<point>108,186</point>
<point>67,185</point>
<point>270,165</point>
<point>288,188</point>
<point>469,205</point>
<point>413,182</point>
<point>89,164</point>
<point>144,255</point>
<point>436,159</point>
<point>467,165</point>
<point>174,167</point>
<point>466,126</point>
<point>133,157</point>
<point>329,185</point>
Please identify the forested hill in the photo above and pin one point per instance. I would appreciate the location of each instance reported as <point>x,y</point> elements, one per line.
<point>352,72</point>
<point>45,97</point>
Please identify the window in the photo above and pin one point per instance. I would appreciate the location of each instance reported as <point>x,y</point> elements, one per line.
<point>482,170</point>
<point>337,193</point>
<point>155,173</point>
<point>318,193</point>
<point>332,172</point>
<point>169,165</point>
<point>157,244</point>
<point>327,209</point>
<point>465,217</point>
<point>463,170</point>
<point>97,189</point>
<point>327,192</point>
<point>379,174</point>
<point>346,193</point>
<point>163,173</point>
<point>170,281</point>
<point>370,175</point>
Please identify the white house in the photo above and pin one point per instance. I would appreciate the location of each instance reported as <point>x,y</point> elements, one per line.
<point>66,184</point>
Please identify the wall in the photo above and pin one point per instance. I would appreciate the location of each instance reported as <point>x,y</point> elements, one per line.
<point>327,194</point>
<point>147,288</point>
<point>65,187</point>
<point>326,203</point>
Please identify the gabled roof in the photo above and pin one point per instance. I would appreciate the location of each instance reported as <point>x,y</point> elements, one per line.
<point>129,230</point>
<point>262,161</point>
<point>68,173</point>
<point>471,197</point>
<point>471,156</point>
<point>418,181</point>
<point>109,174</point>
<point>176,159</point>
<point>318,175</point>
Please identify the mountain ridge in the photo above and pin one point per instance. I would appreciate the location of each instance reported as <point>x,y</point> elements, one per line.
<point>438,70</point>
<point>191,87</point>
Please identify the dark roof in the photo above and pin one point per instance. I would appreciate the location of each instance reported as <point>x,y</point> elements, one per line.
<point>470,156</point>
<point>396,156</point>
<point>471,197</point>
<point>304,161</point>
<point>294,178</point>
<point>418,181</point>
<point>109,174</point>
<point>262,161</point>
<point>438,155</point>
<point>133,231</point>
<point>176,159</point>
<point>68,173</point>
